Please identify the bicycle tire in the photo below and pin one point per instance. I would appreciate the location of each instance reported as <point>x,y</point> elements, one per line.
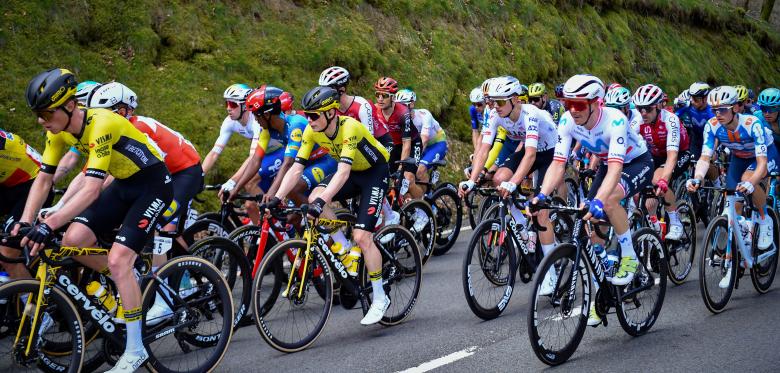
<point>447,231</point>
<point>762,275</point>
<point>213,300</point>
<point>486,202</point>
<point>679,269</point>
<point>228,224</point>
<point>652,258</point>
<point>495,304</point>
<point>427,235</point>
<point>60,308</point>
<point>713,258</point>
<point>472,205</point>
<point>572,193</point>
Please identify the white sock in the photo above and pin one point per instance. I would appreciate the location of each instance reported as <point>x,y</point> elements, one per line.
<point>626,245</point>
<point>763,220</point>
<point>134,338</point>
<point>674,218</point>
<point>546,249</point>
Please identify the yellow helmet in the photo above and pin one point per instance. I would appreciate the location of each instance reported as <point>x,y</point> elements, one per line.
<point>537,90</point>
<point>742,93</point>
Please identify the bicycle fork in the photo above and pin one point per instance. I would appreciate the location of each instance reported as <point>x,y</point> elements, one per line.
<point>43,276</point>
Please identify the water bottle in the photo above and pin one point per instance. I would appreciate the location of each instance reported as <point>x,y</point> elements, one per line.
<point>655,223</point>
<point>612,260</point>
<point>105,297</point>
<point>531,241</point>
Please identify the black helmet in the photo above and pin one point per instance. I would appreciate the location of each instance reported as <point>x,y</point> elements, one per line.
<point>265,99</point>
<point>320,98</point>
<point>51,89</point>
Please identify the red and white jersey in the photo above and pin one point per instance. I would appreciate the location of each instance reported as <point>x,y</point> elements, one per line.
<point>361,110</point>
<point>665,135</point>
<point>177,151</point>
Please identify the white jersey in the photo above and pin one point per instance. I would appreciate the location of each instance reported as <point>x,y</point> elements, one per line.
<point>427,125</point>
<point>535,127</point>
<point>635,121</point>
<point>361,110</point>
<point>610,139</point>
<point>229,127</point>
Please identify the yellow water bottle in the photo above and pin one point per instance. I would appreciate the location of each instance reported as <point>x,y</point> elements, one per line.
<point>352,260</point>
<point>105,298</point>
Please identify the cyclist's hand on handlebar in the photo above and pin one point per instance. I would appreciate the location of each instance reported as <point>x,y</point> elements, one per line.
<point>316,207</point>
<point>662,186</point>
<point>37,237</point>
<point>272,203</point>
<point>595,210</point>
<point>466,187</point>
<point>533,206</point>
<point>506,188</point>
<point>745,188</point>
<point>692,184</point>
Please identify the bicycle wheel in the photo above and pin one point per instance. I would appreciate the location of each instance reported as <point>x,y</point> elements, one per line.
<point>289,314</point>
<point>228,225</point>
<point>401,273</point>
<point>65,328</point>
<point>449,217</point>
<point>572,193</point>
<point>715,264</point>
<point>643,297</point>
<point>489,270</point>
<point>682,252</point>
<point>426,235</point>
<point>231,261</point>
<point>472,204</point>
<point>763,273</point>
<point>486,203</point>
<point>556,322</point>
<point>197,336</point>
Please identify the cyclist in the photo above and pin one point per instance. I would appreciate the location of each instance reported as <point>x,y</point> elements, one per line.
<point>477,113</point>
<point>84,91</point>
<point>537,96</point>
<point>742,106</point>
<point>353,106</point>
<point>668,144</point>
<point>753,156</point>
<point>769,101</point>
<point>432,136</point>
<point>559,91</point>
<point>362,173</point>
<point>681,101</point>
<point>288,100</point>
<point>695,116</point>
<point>620,98</point>
<point>626,167</point>
<point>238,120</point>
<point>135,201</point>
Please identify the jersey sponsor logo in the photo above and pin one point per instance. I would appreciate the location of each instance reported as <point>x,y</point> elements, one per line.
<point>104,138</point>
<point>95,173</point>
<point>7,135</point>
<point>296,135</point>
<point>150,214</point>
<point>143,223</point>
<point>103,151</point>
<point>318,173</point>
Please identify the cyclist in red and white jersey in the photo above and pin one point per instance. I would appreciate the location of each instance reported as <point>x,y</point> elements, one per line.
<point>356,107</point>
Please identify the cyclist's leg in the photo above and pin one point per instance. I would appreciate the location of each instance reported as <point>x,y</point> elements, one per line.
<point>187,184</point>
<point>433,153</point>
<point>409,171</point>
<point>541,164</point>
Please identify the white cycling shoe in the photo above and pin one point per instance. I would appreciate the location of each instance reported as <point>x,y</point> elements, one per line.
<point>724,282</point>
<point>765,235</point>
<point>130,361</point>
<point>420,220</point>
<point>391,217</point>
<point>548,284</point>
<point>675,232</point>
<point>159,312</point>
<point>376,312</point>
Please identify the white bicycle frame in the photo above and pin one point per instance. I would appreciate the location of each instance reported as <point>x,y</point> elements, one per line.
<point>730,212</point>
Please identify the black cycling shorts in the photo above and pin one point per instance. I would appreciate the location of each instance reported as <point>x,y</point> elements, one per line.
<point>416,153</point>
<point>683,161</point>
<point>636,175</point>
<point>541,163</point>
<point>12,201</point>
<point>187,183</point>
<point>371,185</point>
<point>136,204</point>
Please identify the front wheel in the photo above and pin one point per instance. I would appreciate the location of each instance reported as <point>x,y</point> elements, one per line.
<point>448,210</point>
<point>642,299</point>
<point>718,265</point>
<point>489,270</point>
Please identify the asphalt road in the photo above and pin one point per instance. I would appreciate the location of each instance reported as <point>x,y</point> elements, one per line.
<point>443,334</point>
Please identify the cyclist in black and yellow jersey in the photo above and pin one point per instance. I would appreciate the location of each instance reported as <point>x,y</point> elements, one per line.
<point>135,200</point>
<point>362,171</point>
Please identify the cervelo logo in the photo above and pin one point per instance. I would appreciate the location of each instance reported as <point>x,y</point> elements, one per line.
<point>101,317</point>
<point>332,257</point>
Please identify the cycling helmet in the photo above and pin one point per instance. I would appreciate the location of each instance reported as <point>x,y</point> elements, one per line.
<point>684,96</point>
<point>320,98</point>
<point>265,100</point>
<point>583,86</point>
<point>386,84</point>
<point>679,102</point>
<point>537,90</point>
<point>723,95</point>
<point>699,89</point>
<point>237,93</point>
<point>648,94</point>
<point>505,87</point>
<point>485,87</point>
<point>523,92</point>
<point>614,85</point>
<point>742,93</point>
<point>334,76</point>
<point>618,97</point>
<point>287,99</point>
<point>476,96</point>
<point>83,91</point>
<point>51,89</point>
<point>111,94</point>
<point>405,96</point>
<point>769,97</point>
<point>559,90</point>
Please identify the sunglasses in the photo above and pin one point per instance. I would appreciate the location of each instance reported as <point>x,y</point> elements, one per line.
<point>382,95</point>
<point>576,105</point>
<point>722,110</point>
<point>771,109</point>
<point>231,104</point>
<point>312,116</point>
<point>501,103</point>
<point>698,98</point>
<point>646,109</point>
<point>535,99</point>
<point>46,115</point>
<point>479,104</point>
<point>616,106</point>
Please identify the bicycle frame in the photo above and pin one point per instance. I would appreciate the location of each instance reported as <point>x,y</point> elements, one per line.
<point>730,212</point>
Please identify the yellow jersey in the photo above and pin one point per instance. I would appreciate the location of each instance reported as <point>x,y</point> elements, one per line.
<point>352,144</point>
<point>19,162</point>
<point>112,145</point>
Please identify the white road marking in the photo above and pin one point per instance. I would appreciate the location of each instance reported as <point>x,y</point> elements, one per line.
<point>444,360</point>
<point>466,228</point>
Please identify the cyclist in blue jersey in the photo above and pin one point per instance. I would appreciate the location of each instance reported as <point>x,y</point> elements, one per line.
<point>695,116</point>
<point>537,96</point>
<point>769,101</point>
<point>477,113</point>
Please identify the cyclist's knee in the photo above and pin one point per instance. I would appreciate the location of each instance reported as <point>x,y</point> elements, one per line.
<point>120,259</point>
<point>362,238</point>
<point>78,235</point>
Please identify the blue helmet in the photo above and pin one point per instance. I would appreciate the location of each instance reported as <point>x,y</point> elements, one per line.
<point>84,90</point>
<point>769,97</point>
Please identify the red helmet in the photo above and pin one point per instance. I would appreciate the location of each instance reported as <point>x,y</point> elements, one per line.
<point>386,84</point>
<point>287,101</point>
<point>265,99</point>
<point>613,86</point>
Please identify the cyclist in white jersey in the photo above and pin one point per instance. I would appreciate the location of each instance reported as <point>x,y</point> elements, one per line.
<point>239,121</point>
<point>627,165</point>
<point>432,136</point>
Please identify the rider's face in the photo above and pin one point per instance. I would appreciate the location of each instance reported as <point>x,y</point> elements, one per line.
<point>55,120</point>
<point>384,99</point>
<point>505,106</point>
<point>699,102</point>
<point>233,109</point>
<point>724,114</point>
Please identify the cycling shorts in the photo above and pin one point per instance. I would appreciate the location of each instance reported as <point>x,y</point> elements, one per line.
<point>416,153</point>
<point>506,151</point>
<point>541,164</point>
<point>269,168</point>
<point>317,170</point>
<point>683,162</point>
<point>434,152</point>
<point>371,185</point>
<point>12,201</point>
<point>187,183</point>
<point>738,166</point>
<point>636,175</point>
<point>136,203</point>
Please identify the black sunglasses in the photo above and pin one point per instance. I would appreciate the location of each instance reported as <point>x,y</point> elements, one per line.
<point>535,99</point>
<point>646,109</point>
<point>312,116</point>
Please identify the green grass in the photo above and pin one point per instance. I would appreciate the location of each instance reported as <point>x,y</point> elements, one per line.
<point>180,55</point>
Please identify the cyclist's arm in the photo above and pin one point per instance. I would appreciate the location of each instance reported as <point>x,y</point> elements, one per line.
<point>495,150</point>
<point>531,142</point>
<point>406,135</point>
<point>555,172</point>
<point>222,140</point>
<point>252,163</point>
<point>479,160</point>
<point>366,115</point>
<point>757,130</point>
<point>616,154</point>
<point>672,147</point>
<point>286,185</point>
<point>67,163</point>
<point>296,170</point>
<point>286,165</point>
<point>88,193</point>
<point>39,191</point>
<point>611,179</point>
<point>475,138</point>
<point>336,182</point>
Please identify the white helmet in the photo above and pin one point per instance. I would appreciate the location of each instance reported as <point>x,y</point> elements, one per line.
<point>485,86</point>
<point>618,97</point>
<point>648,94</point>
<point>723,95</point>
<point>699,89</point>
<point>504,87</point>
<point>237,92</point>
<point>111,94</point>
<point>84,89</point>
<point>334,76</point>
<point>684,96</point>
<point>583,86</point>
<point>405,96</point>
<point>476,95</point>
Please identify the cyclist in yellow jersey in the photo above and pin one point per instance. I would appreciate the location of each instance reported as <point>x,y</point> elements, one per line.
<point>362,171</point>
<point>135,201</point>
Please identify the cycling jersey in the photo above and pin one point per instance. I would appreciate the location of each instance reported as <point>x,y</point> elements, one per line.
<point>177,151</point>
<point>230,126</point>
<point>556,110</point>
<point>693,118</point>
<point>361,110</point>
<point>635,120</point>
<point>398,125</point>
<point>610,139</point>
<point>19,162</point>
<point>496,149</point>
<point>270,140</point>
<point>535,127</point>
<point>768,127</point>
<point>112,143</point>
<point>425,123</point>
<point>665,135</point>
<point>476,117</point>
<point>351,144</point>
<point>748,140</point>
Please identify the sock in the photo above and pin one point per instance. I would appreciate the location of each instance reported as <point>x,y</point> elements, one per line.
<point>546,249</point>
<point>134,338</point>
<point>762,219</point>
<point>376,285</point>
<point>626,246</point>
<point>674,218</point>
<point>518,215</point>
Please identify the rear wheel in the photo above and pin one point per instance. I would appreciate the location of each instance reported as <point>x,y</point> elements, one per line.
<point>643,297</point>
<point>424,232</point>
<point>763,272</point>
<point>682,252</point>
<point>449,218</point>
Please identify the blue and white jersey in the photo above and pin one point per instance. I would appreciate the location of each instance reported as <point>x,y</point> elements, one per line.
<point>749,139</point>
<point>611,139</point>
